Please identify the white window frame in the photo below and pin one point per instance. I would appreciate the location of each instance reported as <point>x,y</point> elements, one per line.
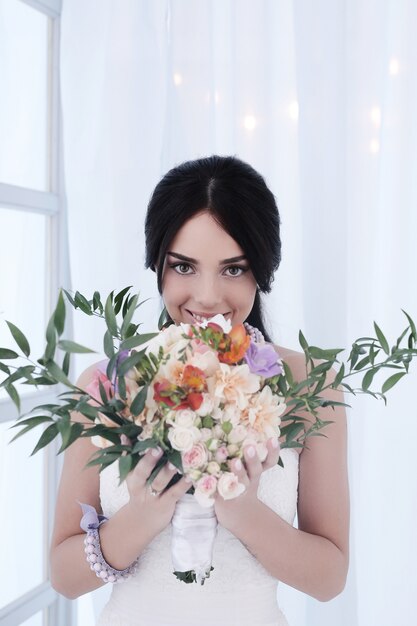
<point>57,609</point>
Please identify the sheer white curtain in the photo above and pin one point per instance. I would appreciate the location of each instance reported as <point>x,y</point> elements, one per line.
<point>319,97</point>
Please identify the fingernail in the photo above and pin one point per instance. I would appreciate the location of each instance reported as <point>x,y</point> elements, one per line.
<point>250,452</point>
<point>275,443</point>
<point>171,466</point>
<point>156,452</point>
<point>238,465</point>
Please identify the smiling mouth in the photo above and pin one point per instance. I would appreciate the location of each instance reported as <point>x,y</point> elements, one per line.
<point>202,317</point>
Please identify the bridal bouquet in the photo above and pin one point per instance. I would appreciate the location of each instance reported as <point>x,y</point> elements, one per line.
<point>200,392</point>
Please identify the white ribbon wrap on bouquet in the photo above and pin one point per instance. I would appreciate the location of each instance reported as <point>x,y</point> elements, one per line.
<point>194,530</point>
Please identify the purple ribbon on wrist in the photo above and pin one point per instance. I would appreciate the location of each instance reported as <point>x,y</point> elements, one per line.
<point>90,519</point>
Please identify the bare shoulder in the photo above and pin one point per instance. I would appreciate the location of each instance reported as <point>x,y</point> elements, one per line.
<point>78,483</point>
<point>323,494</point>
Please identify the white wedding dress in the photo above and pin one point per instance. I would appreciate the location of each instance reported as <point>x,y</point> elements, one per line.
<point>240,592</point>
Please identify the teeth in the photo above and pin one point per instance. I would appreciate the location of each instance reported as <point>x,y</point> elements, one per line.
<point>199,318</point>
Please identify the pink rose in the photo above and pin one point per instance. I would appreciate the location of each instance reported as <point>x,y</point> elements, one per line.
<point>205,488</point>
<point>195,458</point>
<point>221,454</point>
<point>229,486</point>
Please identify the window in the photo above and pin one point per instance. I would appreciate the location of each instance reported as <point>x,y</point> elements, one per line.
<point>31,225</point>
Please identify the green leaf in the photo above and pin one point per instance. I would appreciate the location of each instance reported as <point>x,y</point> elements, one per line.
<point>110,316</point>
<point>131,361</point>
<point>319,353</point>
<point>29,424</point>
<point>4,368</point>
<point>33,421</point>
<point>339,376</point>
<point>391,381</point>
<point>381,339</point>
<point>129,315</point>
<point>82,303</point>
<point>59,314</point>
<point>71,435</point>
<point>66,364</point>
<point>19,338</point>
<point>303,343</point>
<point>11,390</point>
<point>54,369</point>
<point>71,346</point>
<point>47,436</point>
<point>70,298</point>
<point>118,300</point>
<point>163,318</point>
<point>288,373</point>
<point>51,340</point>
<point>108,344</point>
<point>368,378</point>
<point>412,325</point>
<point>138,403</point>
<point>5,353</point>
<point>125,465</point>
<point>97,302</point>
<point>137,340</point>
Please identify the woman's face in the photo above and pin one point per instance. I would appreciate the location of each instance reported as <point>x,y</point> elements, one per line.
<point>205,273</point>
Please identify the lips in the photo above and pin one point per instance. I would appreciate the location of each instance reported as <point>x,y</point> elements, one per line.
<point>199,316</point>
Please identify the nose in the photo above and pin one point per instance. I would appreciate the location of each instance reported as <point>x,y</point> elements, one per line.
<point>208,294</point>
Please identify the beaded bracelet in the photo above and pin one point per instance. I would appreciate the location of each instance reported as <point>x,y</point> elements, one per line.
<point>91,522</point>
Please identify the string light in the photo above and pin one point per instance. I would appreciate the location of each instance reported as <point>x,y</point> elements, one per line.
<point>394,67</point>
<point>177,79</point>
<point>250,122</point>
<point>376,116</point>
<point>374,146</point>
<point>293,110</point>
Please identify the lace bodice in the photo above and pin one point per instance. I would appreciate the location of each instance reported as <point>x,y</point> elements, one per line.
<point>239,591</point>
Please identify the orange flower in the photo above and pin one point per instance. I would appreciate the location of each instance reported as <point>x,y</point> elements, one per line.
<point>195,400</point>
<point>240,342</point>
<point>194,378</point>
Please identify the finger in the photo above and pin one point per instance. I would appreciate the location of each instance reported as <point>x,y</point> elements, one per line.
<point>164,476</point>
<point>237,467</point>
<point>252,462</point>
<point>145,466</point>
<point>179,489</point>
<point>274,449</point>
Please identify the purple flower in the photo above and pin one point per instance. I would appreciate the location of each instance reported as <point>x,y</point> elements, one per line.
<point>263,360</point>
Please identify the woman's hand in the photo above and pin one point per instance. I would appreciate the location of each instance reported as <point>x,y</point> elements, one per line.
<point>155,510</point>
<point>230,512</point>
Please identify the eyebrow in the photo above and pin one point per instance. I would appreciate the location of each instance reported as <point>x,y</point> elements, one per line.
<point>182,257</point>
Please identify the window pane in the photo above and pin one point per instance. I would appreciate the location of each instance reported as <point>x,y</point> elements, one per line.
<point>35,620</point>
<point>23,285</point>
<point>24,102</point>
<point>23,520</point>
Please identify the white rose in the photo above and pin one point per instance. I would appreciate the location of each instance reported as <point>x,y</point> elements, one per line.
<point>205,434</point>
<point>206,406</point>
<point>183,439</point>
<point>231,413</point>
<point>237,434</point>
<point>213,468</point>
<point>185,418</point>
<point>229,486</point>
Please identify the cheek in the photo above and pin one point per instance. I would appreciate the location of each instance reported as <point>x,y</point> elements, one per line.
<point>173,290</point>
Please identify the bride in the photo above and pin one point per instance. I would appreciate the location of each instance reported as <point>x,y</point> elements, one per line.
<point>213,239</point>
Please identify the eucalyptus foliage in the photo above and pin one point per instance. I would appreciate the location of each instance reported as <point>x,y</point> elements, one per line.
<point>323,370</point>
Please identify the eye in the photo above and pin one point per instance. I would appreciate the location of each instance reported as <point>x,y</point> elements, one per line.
<point>181,268</point>
<point>236,270</point>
